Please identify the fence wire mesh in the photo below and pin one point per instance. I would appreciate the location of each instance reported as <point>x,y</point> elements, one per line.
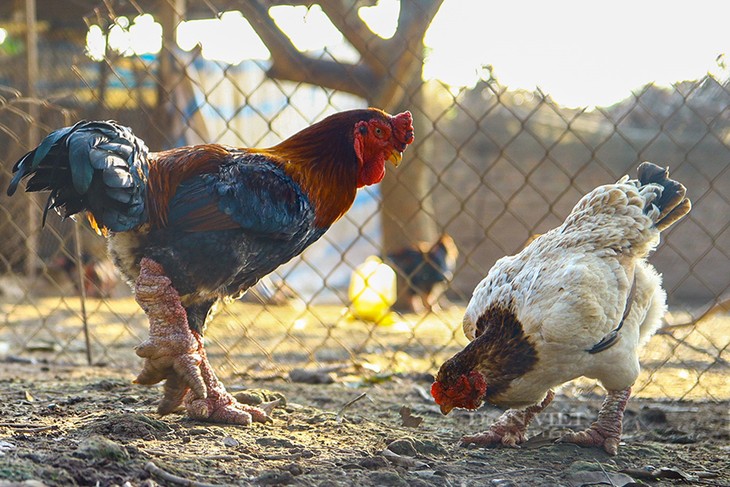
<point>491,168</point>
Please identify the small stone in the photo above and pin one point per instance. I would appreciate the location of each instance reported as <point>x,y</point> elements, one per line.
<point>403,446</point>
<point>99,447</point>
<point>274,477</point>
<point>230,442</point>
<point>373,463</point>
<point>306,376</point>
<point>387,478</point>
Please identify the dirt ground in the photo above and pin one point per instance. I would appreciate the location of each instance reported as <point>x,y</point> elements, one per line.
<point>72,425</point>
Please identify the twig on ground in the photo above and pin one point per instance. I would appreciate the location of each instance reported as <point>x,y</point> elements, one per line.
<point>291,456</point>
<point>402,461</point>
<point>341,413</point>
<point>161,474</point>
<point>423,394</point>
<point>23,425</point>
<point>39,429</point>
<point>608,477</point>
<point>519,471</point>
<point>28,427</point>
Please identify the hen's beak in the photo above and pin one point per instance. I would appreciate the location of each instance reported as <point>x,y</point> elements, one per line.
<point>395,157</point>
<point>446,409</point>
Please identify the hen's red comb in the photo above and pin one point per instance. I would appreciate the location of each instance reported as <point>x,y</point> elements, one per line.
<point>403,129</point>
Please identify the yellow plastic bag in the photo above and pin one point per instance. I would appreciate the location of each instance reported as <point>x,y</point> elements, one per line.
<point>372,290</point>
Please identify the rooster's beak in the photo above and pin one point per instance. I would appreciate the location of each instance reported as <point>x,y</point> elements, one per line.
<point>395,157</point>
<point>446,409</point>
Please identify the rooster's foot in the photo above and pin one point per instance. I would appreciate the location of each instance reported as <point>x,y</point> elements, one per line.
<point>606,431</point>
<point>511,428</point>
<point>225,409</point>
<point>171,352</point>
<point>175,353</point>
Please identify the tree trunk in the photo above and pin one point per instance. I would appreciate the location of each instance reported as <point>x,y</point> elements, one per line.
<point>407,214</point>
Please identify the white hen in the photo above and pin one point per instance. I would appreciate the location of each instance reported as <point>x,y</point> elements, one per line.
<point>579,300</point>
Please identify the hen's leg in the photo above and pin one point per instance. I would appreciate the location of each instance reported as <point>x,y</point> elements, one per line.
<point>511,428</point>
<point>606,431</point>
<point>175,353</point>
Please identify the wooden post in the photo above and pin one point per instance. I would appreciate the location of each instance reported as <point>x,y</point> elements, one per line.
<point>172,13</point>
<point>33,227</point>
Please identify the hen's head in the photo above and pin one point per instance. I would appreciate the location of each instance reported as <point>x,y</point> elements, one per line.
<point>378,138</point>
<point>453,389</point>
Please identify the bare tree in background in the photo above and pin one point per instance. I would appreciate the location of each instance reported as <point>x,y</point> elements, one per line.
<point>388,76</point>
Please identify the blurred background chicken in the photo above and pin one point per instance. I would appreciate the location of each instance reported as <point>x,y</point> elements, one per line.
<point>579,300</point>
<point>423,270</point>
<point>100,277</point>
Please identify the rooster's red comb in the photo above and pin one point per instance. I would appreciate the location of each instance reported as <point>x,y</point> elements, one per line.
<point>403,129</point>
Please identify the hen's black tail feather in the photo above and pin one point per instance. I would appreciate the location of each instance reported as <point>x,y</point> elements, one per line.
<point>672,203</point>
<point>99,167</point>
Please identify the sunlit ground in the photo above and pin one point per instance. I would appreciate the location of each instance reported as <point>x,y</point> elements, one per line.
<point>263,341</point>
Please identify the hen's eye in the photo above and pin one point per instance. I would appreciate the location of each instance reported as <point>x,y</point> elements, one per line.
<point>378,131</point>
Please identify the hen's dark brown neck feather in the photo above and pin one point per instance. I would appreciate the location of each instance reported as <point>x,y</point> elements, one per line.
<point>501,352</point>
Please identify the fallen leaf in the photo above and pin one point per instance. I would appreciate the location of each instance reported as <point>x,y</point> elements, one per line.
<point>408,419</point>
<point>341,414</point>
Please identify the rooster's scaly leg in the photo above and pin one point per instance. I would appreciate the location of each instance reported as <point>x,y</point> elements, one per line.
<point>510,429</point>
<point>606,430</point>
<point>176,354</point>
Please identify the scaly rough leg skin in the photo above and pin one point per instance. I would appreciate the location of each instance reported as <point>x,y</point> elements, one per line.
<point>511,428</point>
<point>606,431</point>
<point>171,352</point>
<point>218,406</point>
<point>176,354</point>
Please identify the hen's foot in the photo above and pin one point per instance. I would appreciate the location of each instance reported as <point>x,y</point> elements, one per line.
<point>606,431</point>
<point>511,428</point>
<point>175,353</point>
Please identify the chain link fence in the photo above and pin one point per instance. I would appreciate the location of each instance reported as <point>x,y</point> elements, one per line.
<point>491,168</point>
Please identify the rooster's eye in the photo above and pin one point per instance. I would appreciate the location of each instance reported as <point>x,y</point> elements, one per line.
<point>378,131</point>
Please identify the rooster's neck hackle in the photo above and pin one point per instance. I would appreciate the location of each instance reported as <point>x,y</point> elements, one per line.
<point>322,160</point>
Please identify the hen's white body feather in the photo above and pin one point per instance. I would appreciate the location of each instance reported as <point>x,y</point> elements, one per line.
<point>569,289</point>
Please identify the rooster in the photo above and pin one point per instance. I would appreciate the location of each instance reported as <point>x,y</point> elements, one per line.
<point>579,300</point>
<point>193,226</point>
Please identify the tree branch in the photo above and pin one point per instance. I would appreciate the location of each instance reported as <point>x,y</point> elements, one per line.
<point>406,48</point>
<point>289,63</point>
<point>386,66</point>
<point>343,15</point>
